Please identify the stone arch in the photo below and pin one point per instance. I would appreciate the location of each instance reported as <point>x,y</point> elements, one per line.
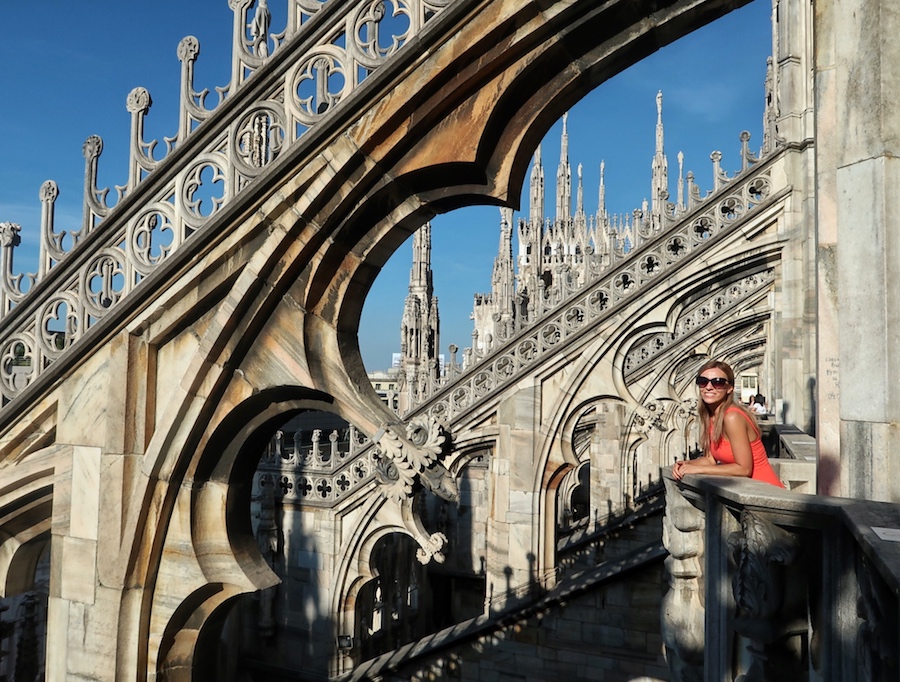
<point>391,600</point>
<point>593,460</point>
<point>356,569</point>
<point>24,562</point>
<point>26,521</point>
<point>465,522</point>
<point>573,504</point>
<point>26,517</point>
<point>223,477</point>
<point>221,534</point>
<point>524,71</point>
<point>549,501</point>
<point>534,76</point>
<point>187,635</point>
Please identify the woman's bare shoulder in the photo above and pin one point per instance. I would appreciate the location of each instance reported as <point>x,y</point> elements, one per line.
<point>734,418</point>
<point>733,413</point>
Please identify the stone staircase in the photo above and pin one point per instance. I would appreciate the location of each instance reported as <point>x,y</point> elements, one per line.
<point>577,615</point>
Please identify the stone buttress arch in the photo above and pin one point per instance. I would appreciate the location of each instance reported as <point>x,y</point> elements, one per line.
<point>326,229</point>
<point>223,544</point>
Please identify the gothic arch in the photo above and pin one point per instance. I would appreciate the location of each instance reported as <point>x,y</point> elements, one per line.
<point>534,77</point>
<point>557,477</point>
<point>26,516</point>
<point>227,553</point>
<point>26,554</point>
<point>223,476</point>
<point>573,495</point>
<point>187,635</point>
<point>379,519</point>
<point>501,83</point>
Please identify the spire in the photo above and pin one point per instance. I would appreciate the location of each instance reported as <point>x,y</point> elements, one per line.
<point>579,200</point>
<point>420,327</point>
<point>660,168</point>
<point>494,313</point>
<point>420,277</point>
<point>503,278</point>
<point>536,196</point>
<point>659,123</point>
<point>601,206</point>
<point>564,176</point>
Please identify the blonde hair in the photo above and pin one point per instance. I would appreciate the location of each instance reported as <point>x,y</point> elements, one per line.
<point>717,416</point>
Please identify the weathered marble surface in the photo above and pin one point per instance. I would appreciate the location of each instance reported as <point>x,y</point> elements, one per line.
<point>139,436</point>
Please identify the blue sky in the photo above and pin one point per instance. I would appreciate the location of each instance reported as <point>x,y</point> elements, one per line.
<point>69,66</point>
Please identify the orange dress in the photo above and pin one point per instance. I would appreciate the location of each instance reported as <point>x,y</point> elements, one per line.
<point>762,470</point>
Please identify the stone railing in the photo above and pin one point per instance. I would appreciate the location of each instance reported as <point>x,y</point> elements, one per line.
<point>643,267</point>
<point>768,584</point>
<point>729,200</point>
<point>326,50</point>
<point>321,472</point>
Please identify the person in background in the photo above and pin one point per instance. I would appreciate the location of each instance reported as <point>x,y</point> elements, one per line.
<point>761,399</point>
<point>729,435</point>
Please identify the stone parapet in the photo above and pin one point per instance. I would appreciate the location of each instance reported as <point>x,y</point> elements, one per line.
<point>790,586</point>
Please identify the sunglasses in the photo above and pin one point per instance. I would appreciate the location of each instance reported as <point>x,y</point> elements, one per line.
<point>717,382</point>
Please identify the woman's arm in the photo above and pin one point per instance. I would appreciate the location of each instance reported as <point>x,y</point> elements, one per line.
<point>704,464</point>
<point>736,432</point>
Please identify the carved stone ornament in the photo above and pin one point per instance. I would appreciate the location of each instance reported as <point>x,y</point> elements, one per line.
<point>687,408</point>
<point>683,610</point>
<point>758,550</point>
<point>649,416</point>
<point>9,233</point>
<point>761,551</point>
<point>413,457</point>
<point>431,545</point>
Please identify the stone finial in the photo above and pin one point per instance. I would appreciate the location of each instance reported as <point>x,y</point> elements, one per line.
<point>138,101</point>
<point>9,234</point>
<point>49,191</point>
<point>92,147</point>
<point>188,49</point>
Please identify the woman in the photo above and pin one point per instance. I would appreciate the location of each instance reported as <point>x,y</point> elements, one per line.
<point>730,439</point>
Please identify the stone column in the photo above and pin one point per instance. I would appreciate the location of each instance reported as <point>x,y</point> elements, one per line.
<point>858,189</point>
<point>607,496</point>
<point>79,608</point>
<point>512,546</point>
<point>787,380</point>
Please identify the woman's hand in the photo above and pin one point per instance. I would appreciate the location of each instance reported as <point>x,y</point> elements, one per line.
<point>701,465</point>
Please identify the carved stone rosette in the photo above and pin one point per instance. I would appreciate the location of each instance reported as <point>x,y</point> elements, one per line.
<point>413,457</point>
<point>649,417</point>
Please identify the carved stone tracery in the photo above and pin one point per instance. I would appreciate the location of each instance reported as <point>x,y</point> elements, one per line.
<point>353,40</point>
